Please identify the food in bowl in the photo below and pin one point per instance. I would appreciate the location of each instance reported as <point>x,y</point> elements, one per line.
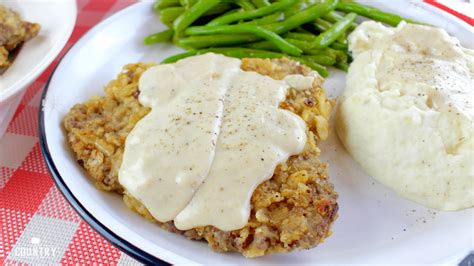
<point>263,108</point>
<point>13,32</point>
<point>406,115</point>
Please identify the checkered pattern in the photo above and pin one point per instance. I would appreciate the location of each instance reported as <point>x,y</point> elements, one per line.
<point>37,225</point>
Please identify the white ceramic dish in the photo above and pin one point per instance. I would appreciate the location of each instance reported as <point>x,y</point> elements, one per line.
<point>374,226</point>
<point>57,19</point>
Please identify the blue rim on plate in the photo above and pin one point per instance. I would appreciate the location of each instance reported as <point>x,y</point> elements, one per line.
<point>113,238</point>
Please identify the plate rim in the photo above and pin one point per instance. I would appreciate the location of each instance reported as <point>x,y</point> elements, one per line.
<point>117,241</point>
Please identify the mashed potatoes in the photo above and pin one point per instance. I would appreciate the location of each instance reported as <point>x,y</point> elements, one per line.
<point>406,115</point>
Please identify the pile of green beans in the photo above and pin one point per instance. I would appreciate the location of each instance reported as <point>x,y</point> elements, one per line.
<point>313,32</point>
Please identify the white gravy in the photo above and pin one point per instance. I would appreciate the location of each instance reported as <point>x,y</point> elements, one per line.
<point>214,133</point>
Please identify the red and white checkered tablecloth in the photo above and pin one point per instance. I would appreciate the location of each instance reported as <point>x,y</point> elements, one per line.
<point>37,225</point>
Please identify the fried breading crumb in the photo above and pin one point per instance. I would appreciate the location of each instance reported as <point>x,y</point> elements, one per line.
<point>13,32</point>
<point>292,210</point>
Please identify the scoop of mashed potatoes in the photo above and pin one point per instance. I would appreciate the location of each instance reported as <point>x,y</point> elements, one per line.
<point>406,115</point>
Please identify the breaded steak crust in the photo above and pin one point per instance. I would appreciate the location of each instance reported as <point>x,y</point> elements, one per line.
<point>13,32</point>
<point>294,209</point>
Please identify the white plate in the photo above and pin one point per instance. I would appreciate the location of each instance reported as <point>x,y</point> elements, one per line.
<point>374,226</point>
<point>57,19</point>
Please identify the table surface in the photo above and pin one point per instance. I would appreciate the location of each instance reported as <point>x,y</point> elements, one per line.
<point>37,224</point>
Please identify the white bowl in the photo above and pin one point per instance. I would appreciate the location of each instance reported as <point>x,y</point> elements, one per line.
<point>57,19</point>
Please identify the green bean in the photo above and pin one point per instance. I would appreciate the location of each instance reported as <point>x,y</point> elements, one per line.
<point>260,3</point>
<point>341,56</point>
<point>307,47</point>
<point>329,56</point>
<point>334,32</point>
<point>298,7</point>
<point>322,25</point>
<point>155,7</point>
<point>164,36</point>
<point>245,4</point>
<point>188,3</point>
<point>311,38</point>
<point>169,14</point>
<point>231,11</point>
<point>344,66</point>
<point>262,45</point>
<point>199,42</point>
<point>334,17</point>
<point>305,16</point>
<point>342,38</point>
<point>312,2</point>
<point>266,45</point>
<point>180,56</point>
<point>229,51</point>
<point>325,51</point>
<point>339,46</point>
<point>275,17</point>
<point>324,60</point>
<point>372,13</point>
<point>191,14</point>
<point>261,32</point>
<point>300,36</point>
<point>219,9</point>
<point>260,12</point>
<point>305,37</point>
<point>160,4</point>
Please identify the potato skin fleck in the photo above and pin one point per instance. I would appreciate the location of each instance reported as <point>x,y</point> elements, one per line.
<point>292,210</point>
